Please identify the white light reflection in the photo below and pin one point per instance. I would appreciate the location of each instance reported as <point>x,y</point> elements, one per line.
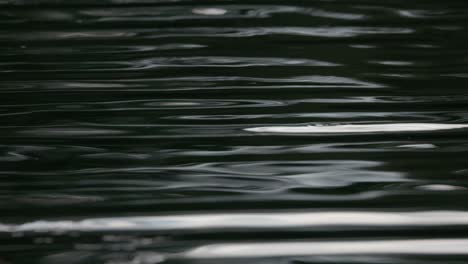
<point>249,220</point>
<point>396,127</point>
<point>249,250</point>
<point>209,11</point>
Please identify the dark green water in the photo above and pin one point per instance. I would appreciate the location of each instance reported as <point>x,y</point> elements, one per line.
<point>182,131</point>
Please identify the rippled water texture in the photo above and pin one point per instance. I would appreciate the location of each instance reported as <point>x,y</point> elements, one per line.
<point>190,131</point>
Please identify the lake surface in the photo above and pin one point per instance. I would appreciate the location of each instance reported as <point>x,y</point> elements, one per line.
<point>154,131</point>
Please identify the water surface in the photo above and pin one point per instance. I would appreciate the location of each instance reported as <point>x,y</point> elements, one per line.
<point>186,131</point>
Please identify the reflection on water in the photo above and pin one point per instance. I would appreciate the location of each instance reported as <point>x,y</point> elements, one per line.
<point>407,247</point>
<point>397,127</point>
<point>322,220</point>
<point>181,131</point>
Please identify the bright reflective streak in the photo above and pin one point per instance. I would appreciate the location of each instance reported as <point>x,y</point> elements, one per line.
<point>249,250</point>
<point>397,127</point>
<point>209,11</point>
<point>249,220</point>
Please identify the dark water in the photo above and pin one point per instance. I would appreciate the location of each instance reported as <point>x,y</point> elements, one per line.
<point>180,131</point>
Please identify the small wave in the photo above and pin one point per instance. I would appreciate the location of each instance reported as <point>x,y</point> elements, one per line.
<point>323,219</point>
<point>395,127</point>
<point>407,247</point>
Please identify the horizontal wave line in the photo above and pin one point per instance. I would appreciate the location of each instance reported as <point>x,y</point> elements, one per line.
<point>249,220</point>
<point>373,247</point>
<point>394,127</point>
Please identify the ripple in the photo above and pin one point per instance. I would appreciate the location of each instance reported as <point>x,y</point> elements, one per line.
<point>209,11</point>
<point>336,32</point>
<point>396,127</point>
<point>195,83</point>
<point>393,63</point>
<point>209,104</point>
<point>58,199</point>
<point>335,115</point>
<point>418,146</point>
<point>103,49</point>
<point>207,61</point>
<point>13,157</point>
<point>166,62</point>
<point>319,174</point>
<point>322,32</point>
<point>117,156</point>
<point>266,220</point>
<point>418,14</point>
<point>130,14</point>
<point>55,131</point>
<point>440,187</point>
<point>372,247</point>
<point>362,46</point>
<point>148,131</point>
